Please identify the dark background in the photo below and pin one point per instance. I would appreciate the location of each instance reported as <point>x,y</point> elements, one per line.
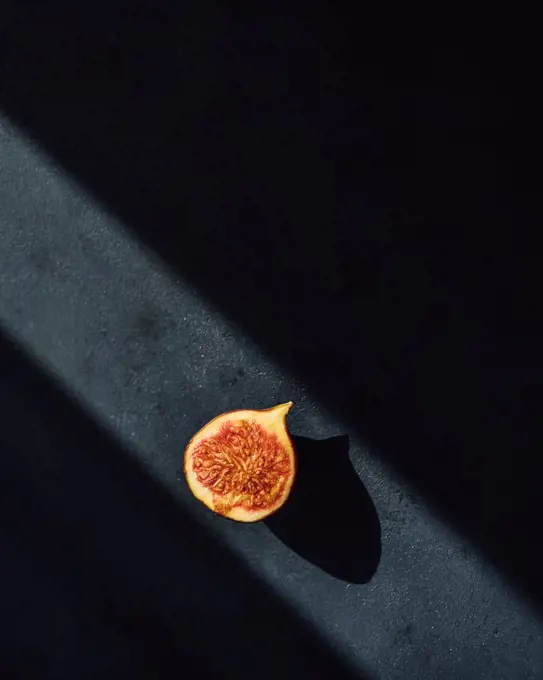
<point>351,192</point>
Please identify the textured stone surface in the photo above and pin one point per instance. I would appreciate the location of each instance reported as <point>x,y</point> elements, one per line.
<point>152,361</point>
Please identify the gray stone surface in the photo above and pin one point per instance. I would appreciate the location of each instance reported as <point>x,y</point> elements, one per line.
<point>152,360</point>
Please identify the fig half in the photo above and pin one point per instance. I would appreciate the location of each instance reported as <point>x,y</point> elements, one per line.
<point>242,464</point>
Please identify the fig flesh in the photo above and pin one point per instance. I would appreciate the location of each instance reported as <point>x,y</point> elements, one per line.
<point>242,464</point>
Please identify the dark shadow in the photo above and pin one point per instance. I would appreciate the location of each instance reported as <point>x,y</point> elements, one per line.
<point>104,575</point>
<point>342,188</point>
<point>330,519</point>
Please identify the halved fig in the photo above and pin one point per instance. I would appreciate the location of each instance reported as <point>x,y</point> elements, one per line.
<point>242,464</point>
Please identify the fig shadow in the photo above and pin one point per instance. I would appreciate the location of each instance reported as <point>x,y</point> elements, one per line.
<point>329,518</point>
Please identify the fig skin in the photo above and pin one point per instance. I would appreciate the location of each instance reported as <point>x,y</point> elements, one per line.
<point>242,464</point>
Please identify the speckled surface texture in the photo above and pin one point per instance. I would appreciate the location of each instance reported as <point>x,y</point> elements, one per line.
<point>136,302</point>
